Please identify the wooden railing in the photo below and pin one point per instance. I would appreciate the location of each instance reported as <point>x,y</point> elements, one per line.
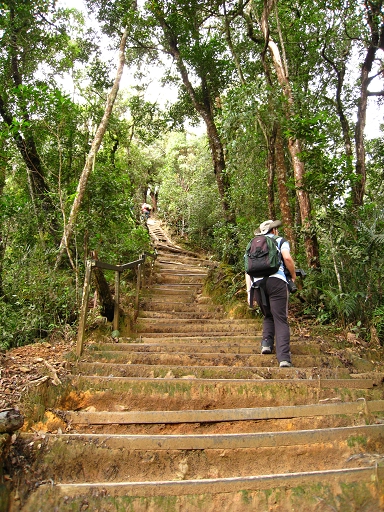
<point>118,269</point>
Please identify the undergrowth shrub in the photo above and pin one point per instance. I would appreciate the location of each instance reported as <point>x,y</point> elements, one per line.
<point>38,301</point>
<point>348,290</point>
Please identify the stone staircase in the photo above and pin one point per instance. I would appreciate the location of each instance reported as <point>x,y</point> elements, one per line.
<point>188,416</point>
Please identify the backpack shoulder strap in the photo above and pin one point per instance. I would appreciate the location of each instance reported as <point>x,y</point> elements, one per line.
<point>279,241</point>
<point>279,244</point>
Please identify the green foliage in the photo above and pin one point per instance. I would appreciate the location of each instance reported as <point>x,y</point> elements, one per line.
<point>189,199</point>
<point>360,442</point>
<point>42,301</point>
<point>317,42</point>
<point>349,288</point>
<point>224,285</point>
<point>38,300</point>
<point>225,242</point>
<point>378,322</point>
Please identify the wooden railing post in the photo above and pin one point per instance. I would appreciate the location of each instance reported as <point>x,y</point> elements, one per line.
<point>117,300</point>
<point>97,264</point>
<point>138,286</point>
<point>142,277</point>
<point>84,309</point>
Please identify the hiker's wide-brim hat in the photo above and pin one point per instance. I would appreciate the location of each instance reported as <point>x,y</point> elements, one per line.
<point>266,226</point>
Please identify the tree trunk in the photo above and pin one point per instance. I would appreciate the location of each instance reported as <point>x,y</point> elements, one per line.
<point>271,166</point>
<point>27,148</point>
<point>276,157</point>
<point>280,66</point>
<point>282,178</point>
<point>376,25</point>
<point>103,292</point>
<point>154,196</point>
<point>310,239</point>
<point>340,75</point>
<point>81,187</point>
<point>204,109</point>
<point>2,241</point>
<point>25,144</point>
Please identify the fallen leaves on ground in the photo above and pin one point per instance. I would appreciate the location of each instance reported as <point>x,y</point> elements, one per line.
<point>26,367</point>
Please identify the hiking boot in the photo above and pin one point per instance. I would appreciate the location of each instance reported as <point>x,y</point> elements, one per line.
<point>285,364</point>
<point>266,347</point>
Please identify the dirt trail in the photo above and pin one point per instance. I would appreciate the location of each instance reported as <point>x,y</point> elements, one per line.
<point>186,415</point>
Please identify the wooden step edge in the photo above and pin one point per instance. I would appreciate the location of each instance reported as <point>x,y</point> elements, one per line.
<point>169,272</point>
<point>243,339</point>
<point>219,441</point>
<point>181,270</point>
<point>223,485</point>
<point>360,406</point>
<point>173,286</point>
<point>196,262</point>
<point>203,355</point>
<point>270,364</point>
<point>197,348</point>
<point>321,383</point>
<point>212,360</point>
<point>181,315</point>
<point>219,360</point>
<point>192,334</point>
<point>235,338</point>
<point>214,321</point>
<point>188,370</point>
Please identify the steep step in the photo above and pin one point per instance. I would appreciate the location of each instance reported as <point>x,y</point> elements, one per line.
<point>187,415</point>
<point>191,345</point>
<point>178,275</point>
<point>217,372</point>
<point>174,291</point>
<point>158,306</point>
<point>180,279</point>
<point>217,415</point>
<point>210,359</point>
<point>235,386</point>
<point>180,269</point>
<point>174,297</point>
<point>139,394</point>
<point>301,490</point>
<point>169,325</point>
<point>164,457</point>
<point>201,314</point>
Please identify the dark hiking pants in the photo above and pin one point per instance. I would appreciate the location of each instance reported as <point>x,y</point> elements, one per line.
<point>275,323</point>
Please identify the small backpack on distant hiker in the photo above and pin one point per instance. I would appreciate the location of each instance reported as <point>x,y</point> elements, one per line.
<point>262,256</point>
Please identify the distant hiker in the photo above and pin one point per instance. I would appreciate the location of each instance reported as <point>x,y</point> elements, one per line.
<point>146,210</point>
<point>265,262</point>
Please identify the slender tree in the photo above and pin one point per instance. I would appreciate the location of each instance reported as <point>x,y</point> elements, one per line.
<point>23,25</point>
<point>81,187</point>
<point>188,41</point>
<point>375,20</point>
<point>280,65</point>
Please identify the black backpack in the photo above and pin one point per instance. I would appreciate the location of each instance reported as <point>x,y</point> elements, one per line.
<point>262,256</point>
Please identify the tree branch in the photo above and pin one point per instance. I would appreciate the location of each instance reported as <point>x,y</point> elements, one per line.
<point>378,93</point>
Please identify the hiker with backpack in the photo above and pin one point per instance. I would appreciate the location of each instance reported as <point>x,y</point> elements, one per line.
<point>146,211</point>
<point>267,259</point>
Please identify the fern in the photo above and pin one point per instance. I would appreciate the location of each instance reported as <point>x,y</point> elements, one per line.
<point>378,322</point>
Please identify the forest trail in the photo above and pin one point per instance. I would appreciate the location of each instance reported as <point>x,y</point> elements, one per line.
<point>187,415</point>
